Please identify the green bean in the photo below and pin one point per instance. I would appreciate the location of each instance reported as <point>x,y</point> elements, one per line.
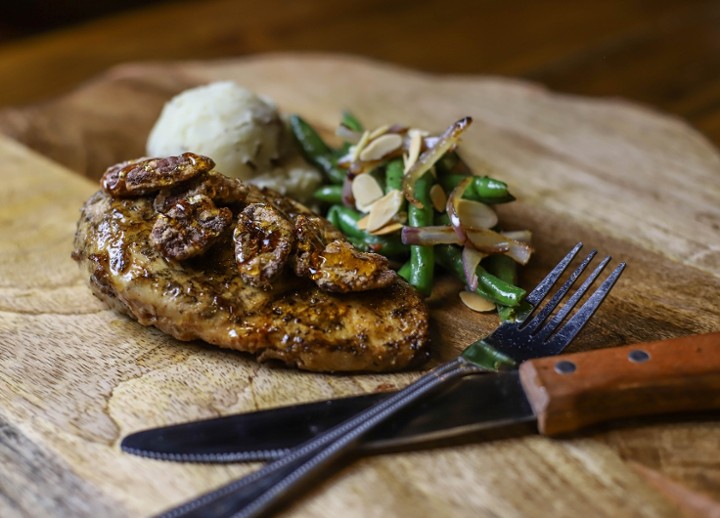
<point>356,242</point>
<point>450,181</point>
<point>482,188</point>
<point>450,258</point>
<point>389,246</point>
<point>315,150</point>
<point>404,271</point>
<point>349,120</point>
<point>345,219</point>
<point>442,219</point>
<point>447,163</point>
<point>489,286</point>
<point>422,257</point>
<point>329,194</point>
<point>352,123</point>
<point>505,268</point>
<point>502,292</point>
<point>333,217</point>
<point>394,172</point>
<point>490,190</point>
<point>422,268</point>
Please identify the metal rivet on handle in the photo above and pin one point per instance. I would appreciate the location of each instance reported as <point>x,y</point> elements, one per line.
<point>565,367</point>
<point>638,356</point>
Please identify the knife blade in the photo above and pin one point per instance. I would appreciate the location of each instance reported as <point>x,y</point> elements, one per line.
<point>553,395</point>
<point>269,434</point>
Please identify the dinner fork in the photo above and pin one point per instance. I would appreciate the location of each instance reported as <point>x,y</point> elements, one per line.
<point>536,332</point>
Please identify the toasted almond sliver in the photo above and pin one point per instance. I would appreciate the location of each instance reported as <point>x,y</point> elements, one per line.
<point>438,197</point>
<point>357,148</point>
<point>379,131</point>
<point>381,146</point>
<point>387,229</point>
<point>383,210</point>
<point>366,191</point>
<point>476,302</point>
<point>413,148</point>
<point>362,222</point>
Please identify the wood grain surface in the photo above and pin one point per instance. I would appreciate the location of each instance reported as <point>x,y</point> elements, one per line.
<point>77,377</point>
<point>662,53</point>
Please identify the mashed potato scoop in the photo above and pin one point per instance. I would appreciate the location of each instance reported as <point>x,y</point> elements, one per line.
<point>241,131</point>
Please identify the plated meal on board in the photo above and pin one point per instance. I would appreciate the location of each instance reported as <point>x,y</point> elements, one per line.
<point>244,229</point>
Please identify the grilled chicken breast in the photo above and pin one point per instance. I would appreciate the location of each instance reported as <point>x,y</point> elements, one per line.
<point>178,246</point>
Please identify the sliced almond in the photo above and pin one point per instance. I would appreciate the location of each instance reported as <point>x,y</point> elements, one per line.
<point>379,131</point>
<point>476,302</point>
<point>438,197</point>
<point>387,229</point>
<point>384,210</point>
<point>357,148</point>
<point>381,146</point>
<point>365,190</point>
<point>414,148</point>
<point>362,222</point>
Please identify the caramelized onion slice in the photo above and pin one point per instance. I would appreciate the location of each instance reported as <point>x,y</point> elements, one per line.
<point>471,258</point>
<point>453,203</point>
<point>491,242</point>
<point>447,141</point>
<point>430,235</point>
<point>524,236</point>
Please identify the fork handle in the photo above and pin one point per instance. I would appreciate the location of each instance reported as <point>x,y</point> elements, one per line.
<point>573,391</point>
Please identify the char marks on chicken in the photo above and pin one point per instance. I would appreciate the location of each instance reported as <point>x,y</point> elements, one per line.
<point>181,247</point>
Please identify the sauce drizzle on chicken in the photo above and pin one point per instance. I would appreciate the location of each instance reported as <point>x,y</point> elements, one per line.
<point>179,246</point>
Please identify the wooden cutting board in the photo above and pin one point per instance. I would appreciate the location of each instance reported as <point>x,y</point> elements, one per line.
<point>76,377</point>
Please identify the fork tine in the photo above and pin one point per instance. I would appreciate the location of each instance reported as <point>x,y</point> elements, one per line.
<point>573,326</point>
<point>572,302</point>
<point>558,296</point>
<point>542,289</point>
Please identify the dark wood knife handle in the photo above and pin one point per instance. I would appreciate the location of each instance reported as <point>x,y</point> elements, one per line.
<point>573,391</point>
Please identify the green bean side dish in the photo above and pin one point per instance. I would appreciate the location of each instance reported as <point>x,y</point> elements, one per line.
<point>456,232</point>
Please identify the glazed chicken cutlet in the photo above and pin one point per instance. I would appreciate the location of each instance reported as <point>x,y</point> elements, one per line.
<point>176,245</point>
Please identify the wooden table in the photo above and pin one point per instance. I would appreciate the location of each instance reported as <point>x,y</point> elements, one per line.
<point>665,53</point>
<point>63,458</point>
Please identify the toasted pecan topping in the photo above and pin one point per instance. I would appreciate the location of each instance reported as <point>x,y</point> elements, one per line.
<point>194,207</point>
<point>264,239</point>
<point>343,268</point>
<point>310,243</point>
<point>148,175</point>
<point>190,227</point>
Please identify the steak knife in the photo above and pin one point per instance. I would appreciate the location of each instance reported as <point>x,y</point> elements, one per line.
<point>555,395</point>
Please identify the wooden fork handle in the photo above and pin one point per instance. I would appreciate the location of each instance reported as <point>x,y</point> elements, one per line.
<point>572,391</point>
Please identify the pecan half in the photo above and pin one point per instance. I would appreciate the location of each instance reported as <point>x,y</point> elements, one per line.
<point>147,175</point>
<point>310,242</point>
<point>221,189</point>
<point>264,239</point>
<point>190,227</point>
<point>343,268</point>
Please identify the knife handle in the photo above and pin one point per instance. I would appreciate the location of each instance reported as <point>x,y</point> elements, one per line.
<point>573,391</point>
